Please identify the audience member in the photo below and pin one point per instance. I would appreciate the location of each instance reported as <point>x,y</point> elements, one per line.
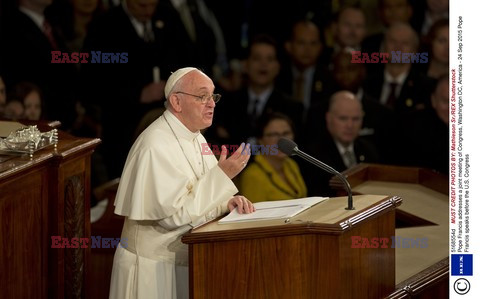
<point>377,120</point>
<point>31,96</point>
<point>425,133</point>
<point>349,29</point>
<point>438,47</point>
<point>399,85</point>
<point>435,10</point>
<point>258,97</point>
<point>72,18</point>
<point>341,147</point>
<point>272,175</point>
<point>390,12</point>
<point>14,109</point>
<point>31,39</point>
<point>302,77</point>
<point>198,37</point>
<point>123,92</point>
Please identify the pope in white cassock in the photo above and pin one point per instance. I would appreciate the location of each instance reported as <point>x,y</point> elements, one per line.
<point>170,185</point>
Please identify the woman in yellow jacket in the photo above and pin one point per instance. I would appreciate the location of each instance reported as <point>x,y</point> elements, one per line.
<point>272,175</point>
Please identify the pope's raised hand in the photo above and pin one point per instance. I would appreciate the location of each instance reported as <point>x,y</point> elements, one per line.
<point>236,162</point>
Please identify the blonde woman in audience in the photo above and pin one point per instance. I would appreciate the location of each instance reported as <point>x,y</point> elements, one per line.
<point>272,175</point>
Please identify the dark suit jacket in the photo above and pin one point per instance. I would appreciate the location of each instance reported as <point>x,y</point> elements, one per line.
<point>26,56</point>
<point>185,53</point>
<point>117,87</point>
<point>424,141</point>
<point>415,90</point>
<point>325,150</point>
<point>285,82</point>
<point>231,113</point>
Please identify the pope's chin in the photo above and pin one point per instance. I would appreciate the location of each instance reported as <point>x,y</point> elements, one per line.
<point>207,120</point>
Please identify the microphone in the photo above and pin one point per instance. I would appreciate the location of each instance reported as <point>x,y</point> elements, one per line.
<point>290,148</point>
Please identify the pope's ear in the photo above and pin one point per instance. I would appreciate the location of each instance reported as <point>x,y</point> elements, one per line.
<point>175,103</point>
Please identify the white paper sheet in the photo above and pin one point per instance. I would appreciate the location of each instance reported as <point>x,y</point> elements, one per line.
<point>267,210</point>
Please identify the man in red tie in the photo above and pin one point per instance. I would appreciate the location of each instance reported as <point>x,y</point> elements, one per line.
<point>28,40</point>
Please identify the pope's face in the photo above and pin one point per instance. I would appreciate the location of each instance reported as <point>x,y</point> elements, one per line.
<point>194,114</point>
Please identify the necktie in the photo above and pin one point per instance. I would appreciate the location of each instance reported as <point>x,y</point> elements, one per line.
<point>254,113</point>
<point>392,95</point>
<point>187,19</point>
<point>255,108</point>
<point>349,158</point>
<point>299,85</point>
<point>148,35</point>
<point>47,30</point>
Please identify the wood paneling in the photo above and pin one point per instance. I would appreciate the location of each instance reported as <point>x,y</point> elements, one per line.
<point>44,196</point>
<point>309,260</point>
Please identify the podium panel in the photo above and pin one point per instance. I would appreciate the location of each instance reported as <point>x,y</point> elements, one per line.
<point>423,215</point>
<point>309,256</point>
<point>44,196</point>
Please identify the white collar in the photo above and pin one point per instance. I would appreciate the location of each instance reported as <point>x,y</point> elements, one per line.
<point>342,149</point>
<point>178,127</point>
<point>307,73</point>
<point>137,25</point>
<point>37,18</point>
<point>399,80</point>
<point>177,3</point>
<point>263,96</point>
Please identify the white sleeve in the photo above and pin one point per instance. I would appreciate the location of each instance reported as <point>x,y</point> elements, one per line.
<point>156,185</point>
<point>202,205</point>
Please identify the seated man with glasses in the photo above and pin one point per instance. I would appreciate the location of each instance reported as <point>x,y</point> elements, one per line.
<point>167,187</point>
<point>272,175</point>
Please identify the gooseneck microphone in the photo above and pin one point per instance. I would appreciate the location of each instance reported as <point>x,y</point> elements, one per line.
<point>290,148</point>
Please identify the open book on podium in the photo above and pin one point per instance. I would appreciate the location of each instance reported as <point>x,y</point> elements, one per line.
<point>268,210</point>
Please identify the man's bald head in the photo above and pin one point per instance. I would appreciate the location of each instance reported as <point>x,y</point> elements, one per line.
<point>344,117</point>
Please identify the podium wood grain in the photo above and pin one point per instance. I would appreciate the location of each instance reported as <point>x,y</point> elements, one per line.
<point>47,195</point>
<point>303,258</point>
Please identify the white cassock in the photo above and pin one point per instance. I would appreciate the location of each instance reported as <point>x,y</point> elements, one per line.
<point>162,199</point>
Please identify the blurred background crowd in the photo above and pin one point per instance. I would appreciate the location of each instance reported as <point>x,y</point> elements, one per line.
<point>283,68</point>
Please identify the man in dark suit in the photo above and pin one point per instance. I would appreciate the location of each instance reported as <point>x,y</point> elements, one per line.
<point>425,132</point>
<point>399,85</point>
<point>125,91</point>
<point>341,147</point>
<point>25,55</point>
<point>198,38</point>
<point>303,76</point>
<point>390,12</point>
<point>259,97</point>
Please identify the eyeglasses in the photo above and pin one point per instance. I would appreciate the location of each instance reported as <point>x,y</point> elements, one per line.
<point>204,98</point>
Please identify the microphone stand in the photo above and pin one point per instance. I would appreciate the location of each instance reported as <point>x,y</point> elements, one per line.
<point>331,170</point>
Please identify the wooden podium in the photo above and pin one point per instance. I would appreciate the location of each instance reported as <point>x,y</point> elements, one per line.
<point>44,196</point>
<point>307,256</point>
<point>420,272</point>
